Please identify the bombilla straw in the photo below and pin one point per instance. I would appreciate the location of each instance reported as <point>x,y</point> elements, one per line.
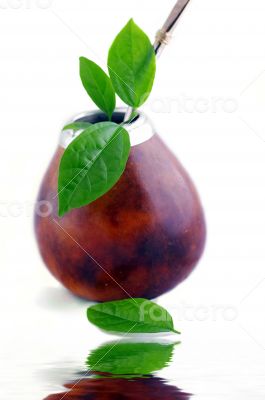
<point>164,35</point>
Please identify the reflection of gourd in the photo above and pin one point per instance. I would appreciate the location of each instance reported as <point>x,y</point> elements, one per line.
<point>141,239</point>
<point>149,388</point>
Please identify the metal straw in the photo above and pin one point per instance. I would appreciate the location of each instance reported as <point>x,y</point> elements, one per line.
<point>164,35</point>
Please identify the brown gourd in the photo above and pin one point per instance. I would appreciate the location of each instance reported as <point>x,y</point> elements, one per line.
<point>140,239</point>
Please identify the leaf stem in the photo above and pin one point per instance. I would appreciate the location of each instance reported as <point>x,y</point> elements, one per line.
<point>128,113</point>
<point>129,116</point>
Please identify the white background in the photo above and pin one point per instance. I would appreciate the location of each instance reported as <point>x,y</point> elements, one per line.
<point>208,105</point>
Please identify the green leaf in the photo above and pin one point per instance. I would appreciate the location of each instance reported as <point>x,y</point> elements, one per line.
<point>131,316</point>
<point>126,358</point>
<point>92,164</point>
<point>131,118</point>
<point>98,85</point>
<point>132,65</point>
<point>77,126</point>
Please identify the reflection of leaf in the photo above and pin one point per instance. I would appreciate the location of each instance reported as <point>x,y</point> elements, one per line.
<point>130,358</point>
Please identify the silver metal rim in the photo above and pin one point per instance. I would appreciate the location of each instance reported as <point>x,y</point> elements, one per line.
<point>140,131</point>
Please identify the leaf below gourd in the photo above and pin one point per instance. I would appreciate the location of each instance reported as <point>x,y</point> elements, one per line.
<point>130,358</point>
<point>92,164</point>
<point>132,65</point>
<point>131,316</point>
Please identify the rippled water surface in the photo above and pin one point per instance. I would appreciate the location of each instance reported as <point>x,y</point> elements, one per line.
<point>65,380</point>
<point>50,351</point>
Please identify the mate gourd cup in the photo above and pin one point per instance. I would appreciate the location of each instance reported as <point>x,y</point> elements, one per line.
<point>140,239</point>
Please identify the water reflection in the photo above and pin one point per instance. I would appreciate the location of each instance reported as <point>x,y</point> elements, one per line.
<point>148,388</point>
<point>124,371</point>
<point>131,358</point>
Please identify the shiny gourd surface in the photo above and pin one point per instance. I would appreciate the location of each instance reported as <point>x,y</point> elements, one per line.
<point>141,239</point>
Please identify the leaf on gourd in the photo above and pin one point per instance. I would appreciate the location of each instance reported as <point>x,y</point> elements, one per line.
<point>77,126</point>
<point>132,65</point>
<point>131,316</point>
<point>98,85</point>
<point>92,164</point>
<point>127,358</point>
